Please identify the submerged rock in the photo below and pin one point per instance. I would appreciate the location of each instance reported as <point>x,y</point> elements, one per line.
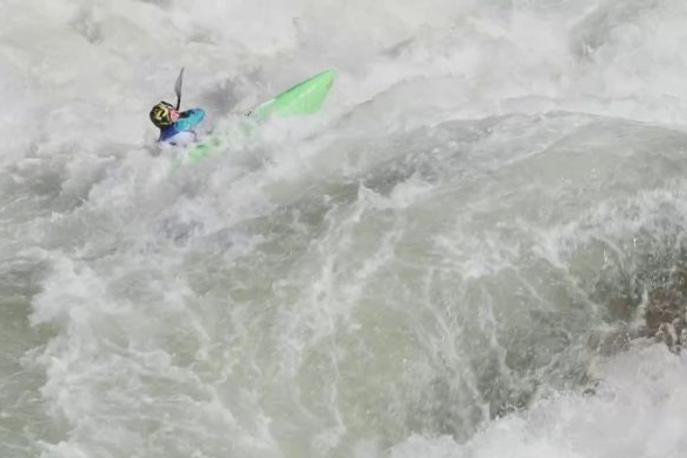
<point>665,314</point>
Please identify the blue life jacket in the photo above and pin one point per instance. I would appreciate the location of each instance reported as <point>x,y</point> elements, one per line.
<point>187,122</point>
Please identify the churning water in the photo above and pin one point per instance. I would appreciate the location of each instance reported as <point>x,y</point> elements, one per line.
<point>458,258</point>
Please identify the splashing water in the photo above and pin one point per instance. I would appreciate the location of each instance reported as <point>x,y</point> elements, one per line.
<point>454,260</point>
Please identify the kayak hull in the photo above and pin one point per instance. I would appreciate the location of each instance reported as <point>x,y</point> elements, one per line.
<point>303,99</point>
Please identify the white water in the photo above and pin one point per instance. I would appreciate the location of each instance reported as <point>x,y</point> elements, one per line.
<point>435,267</point>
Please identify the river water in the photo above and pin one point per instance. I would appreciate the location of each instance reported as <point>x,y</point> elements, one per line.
<point>453,260</point>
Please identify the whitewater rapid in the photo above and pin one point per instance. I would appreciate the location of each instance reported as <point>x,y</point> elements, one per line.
<point>454,259</point>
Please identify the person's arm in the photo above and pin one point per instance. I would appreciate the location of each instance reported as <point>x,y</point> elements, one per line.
<point>190,119</point>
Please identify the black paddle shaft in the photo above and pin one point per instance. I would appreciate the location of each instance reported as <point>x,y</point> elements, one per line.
<point>177,87</point>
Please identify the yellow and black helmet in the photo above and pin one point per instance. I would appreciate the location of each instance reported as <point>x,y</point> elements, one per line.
<point>161,114</point>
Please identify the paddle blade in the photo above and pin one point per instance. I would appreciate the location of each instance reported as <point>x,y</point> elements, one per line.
<point>177,86</point>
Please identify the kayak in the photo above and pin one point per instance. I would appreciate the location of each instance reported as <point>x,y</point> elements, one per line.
<point>303,99</point>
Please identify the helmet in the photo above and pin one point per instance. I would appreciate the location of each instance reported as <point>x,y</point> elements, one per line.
<point>161,114</point>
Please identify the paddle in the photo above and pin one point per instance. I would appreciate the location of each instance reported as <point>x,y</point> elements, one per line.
<point>177,87</point>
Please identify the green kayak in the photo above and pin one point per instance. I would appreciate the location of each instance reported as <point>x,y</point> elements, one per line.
<point>303,99</point>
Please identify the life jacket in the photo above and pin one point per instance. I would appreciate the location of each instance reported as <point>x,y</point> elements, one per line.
<point>182,132</point>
